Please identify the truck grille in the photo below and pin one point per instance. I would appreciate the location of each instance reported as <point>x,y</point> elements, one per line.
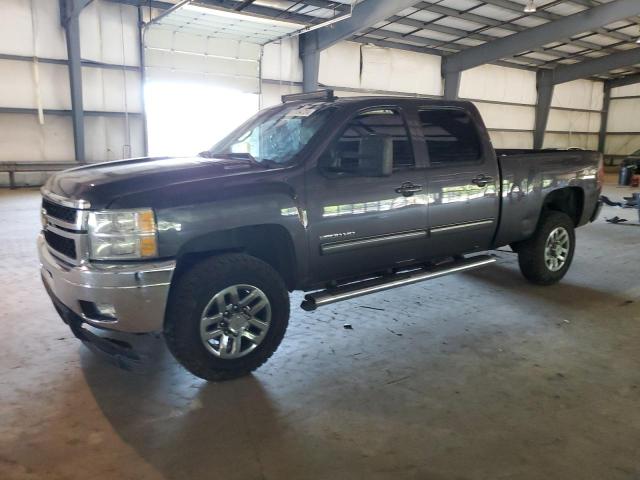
<point>60,212</point>
<point>65,246</point>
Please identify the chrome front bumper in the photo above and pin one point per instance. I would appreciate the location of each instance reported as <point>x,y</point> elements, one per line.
<point>137,292</point>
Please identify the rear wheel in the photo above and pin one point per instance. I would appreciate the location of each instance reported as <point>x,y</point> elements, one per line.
<point>546,257</point>
<point>226,316</point>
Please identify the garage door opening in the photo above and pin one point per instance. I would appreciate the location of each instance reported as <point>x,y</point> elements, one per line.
<point>186,118</point>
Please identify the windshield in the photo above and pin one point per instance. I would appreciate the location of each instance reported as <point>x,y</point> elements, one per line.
<point>276,136</point>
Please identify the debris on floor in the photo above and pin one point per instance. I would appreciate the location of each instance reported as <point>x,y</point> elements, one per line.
<point>348,326</point>
<point>616,219</point>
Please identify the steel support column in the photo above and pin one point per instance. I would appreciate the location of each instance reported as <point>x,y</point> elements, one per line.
<point>604,119</point>
<point>310,56</point>
<point>70,20</point>
<point>543,106</point>
<point>452,85</point>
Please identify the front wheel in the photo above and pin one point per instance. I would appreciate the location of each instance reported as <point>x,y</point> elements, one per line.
<point>546,257</point>
<point>226,316</point>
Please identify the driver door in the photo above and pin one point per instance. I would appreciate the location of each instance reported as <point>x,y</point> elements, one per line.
<point>367,214</point>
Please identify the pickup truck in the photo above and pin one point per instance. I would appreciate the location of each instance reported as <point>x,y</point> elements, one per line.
<point>336,197</point>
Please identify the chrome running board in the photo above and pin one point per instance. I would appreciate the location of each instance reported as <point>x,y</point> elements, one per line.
<point>357,289</point>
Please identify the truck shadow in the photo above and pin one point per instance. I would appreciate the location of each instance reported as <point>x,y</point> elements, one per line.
<point>564,294</point>
<point>187,428</point>
<point>179,424</point>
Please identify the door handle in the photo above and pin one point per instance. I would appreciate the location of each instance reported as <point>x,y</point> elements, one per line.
<point>482,180</point>
<point>407,189</point>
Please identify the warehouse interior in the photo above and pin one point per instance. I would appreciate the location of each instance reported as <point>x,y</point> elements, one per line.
<point>472,376</point>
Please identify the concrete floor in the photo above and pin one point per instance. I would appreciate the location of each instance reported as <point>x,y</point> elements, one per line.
<point>475,376</point>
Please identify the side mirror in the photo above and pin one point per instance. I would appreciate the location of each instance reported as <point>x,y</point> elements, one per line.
<point>376,156</point>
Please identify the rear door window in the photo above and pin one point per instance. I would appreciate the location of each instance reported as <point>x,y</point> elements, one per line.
<point>451,137</point>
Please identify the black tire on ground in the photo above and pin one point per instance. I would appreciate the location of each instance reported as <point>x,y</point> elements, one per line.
<point>531,252</point>
<point>191,295</point>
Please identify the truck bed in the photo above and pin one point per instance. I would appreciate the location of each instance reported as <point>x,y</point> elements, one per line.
<point>530,176</point>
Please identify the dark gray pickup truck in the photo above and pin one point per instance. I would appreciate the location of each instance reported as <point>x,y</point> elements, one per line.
<point>336,197</point>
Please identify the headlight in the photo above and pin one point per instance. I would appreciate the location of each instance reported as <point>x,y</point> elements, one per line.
<point>122,235</point>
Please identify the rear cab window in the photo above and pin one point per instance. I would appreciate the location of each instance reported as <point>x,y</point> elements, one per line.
<point>451,136</point>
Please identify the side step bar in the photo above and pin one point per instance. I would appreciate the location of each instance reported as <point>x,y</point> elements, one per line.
<point>352,290</point>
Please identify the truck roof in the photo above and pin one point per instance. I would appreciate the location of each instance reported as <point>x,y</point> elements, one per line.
<point>328,96</point>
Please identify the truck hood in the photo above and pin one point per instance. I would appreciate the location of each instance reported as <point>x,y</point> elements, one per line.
<point>101,184</point>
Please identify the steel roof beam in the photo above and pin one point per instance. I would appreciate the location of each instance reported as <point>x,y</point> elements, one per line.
<point>517,7</point>
<point>624,81</point>
<point>549,32</point>
<point>364,14</point>
<point>568,73</point>
<point>472,17</point>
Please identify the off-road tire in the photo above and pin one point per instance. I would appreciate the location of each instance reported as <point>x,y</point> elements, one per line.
<point>531,252</point>
<point>192,292</point>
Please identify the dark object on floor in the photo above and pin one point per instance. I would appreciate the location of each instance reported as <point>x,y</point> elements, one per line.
<point>626,172</point>
<point>616,219</point>
<point>604,199</point>
<point>348,326</point>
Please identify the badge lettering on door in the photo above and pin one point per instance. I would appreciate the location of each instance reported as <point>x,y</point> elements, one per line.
<point>334,236</point>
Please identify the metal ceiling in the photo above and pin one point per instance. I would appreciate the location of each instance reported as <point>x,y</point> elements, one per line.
<point>446,27</point>
<point>225,24</point>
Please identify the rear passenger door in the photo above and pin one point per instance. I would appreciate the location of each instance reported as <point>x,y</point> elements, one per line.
<point>361,221</point>
<point>463,181</point>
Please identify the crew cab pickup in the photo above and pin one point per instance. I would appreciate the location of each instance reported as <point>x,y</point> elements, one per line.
<point>337,197</point>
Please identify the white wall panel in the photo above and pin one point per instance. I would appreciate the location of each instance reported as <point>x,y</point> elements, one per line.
<point>626,91</point>
<point>272,93</point>
<point>624,115</point>
<point>50,40</point>
<point>17,85</point>
<point>502,84</point>
<point>400,71</point>
<point>573,121</point>
<point>104,90</point>
<point>568,140</point>
<point>352,65</point>
<point>108,33</point>
<point>579,94</point>
<point>507,116</point>
<point>23,138</point>
<point>281,61</point>
<point>340,65</point>
<point>622,144</point>
<point>106,138</point>
<point>17,33</point>
<point>511,139</point>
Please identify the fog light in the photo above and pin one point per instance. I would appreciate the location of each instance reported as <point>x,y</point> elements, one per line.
<point>106,310</point>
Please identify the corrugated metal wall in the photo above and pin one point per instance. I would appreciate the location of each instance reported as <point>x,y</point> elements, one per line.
<point>112,94</point>
<point>113,100</point>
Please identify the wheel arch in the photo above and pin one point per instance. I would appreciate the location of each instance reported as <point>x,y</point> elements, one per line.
<point>271,243</point>
<point>569,200</point>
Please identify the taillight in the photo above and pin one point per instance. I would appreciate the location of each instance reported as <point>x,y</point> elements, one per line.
<point>600,177</point>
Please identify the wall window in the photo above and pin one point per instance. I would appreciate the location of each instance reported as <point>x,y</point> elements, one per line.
<point>366,134</point>
<point>451,136</point>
